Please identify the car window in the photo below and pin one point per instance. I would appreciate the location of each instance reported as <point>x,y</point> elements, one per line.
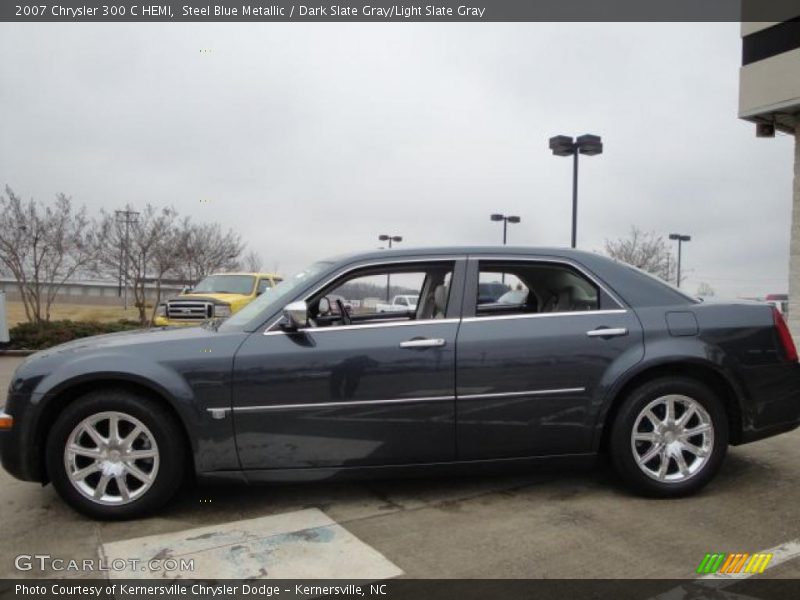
<point>225,284</point>
<point>263,286</point>
<point>524,287</point>
<point>384,294</point>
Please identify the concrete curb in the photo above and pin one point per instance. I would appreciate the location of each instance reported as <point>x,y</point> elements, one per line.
<point>16,352</point>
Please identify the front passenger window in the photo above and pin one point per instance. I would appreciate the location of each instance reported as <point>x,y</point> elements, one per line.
<point>384,294</point>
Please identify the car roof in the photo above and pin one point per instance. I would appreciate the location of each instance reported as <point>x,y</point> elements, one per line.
<point>271,275</point>
<point>461,250</point>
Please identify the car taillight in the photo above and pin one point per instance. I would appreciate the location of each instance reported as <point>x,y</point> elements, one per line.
<point>789,349</point>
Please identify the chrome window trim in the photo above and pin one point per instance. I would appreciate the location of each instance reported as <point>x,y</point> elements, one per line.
<point>563,261</point>
<point>216,412</point>
<point>364,326</point>
<point>576,313</point>
<point>375,263</point>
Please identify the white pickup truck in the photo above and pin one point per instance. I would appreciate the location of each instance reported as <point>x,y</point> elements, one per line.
<point>400,303</point>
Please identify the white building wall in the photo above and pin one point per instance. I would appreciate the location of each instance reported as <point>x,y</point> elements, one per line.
<point>794,246</point>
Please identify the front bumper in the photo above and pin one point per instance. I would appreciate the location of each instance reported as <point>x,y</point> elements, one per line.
<point>18,455</point>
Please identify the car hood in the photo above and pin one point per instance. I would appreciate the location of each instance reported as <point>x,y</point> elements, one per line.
<point>126,338</point>
<point>215,297</point>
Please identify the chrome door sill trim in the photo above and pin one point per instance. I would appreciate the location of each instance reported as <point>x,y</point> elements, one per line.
<point>516,394</point>
<point>269,407</point>
<point>216,412</point>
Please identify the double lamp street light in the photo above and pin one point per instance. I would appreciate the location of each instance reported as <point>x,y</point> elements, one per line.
<point>506,220</point>
<point>680,239</point>
<point>389,238</point>
<point>563,145</point>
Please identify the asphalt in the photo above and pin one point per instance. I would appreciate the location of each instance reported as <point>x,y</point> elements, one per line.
<point>572,524</point>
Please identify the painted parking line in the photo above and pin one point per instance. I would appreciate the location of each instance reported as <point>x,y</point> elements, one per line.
<point>304,544</point>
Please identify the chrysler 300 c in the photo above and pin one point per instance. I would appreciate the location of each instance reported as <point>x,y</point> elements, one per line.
<point>588,356</point>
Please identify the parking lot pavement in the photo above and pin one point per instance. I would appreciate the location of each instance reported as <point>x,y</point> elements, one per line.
<point>557,525</point>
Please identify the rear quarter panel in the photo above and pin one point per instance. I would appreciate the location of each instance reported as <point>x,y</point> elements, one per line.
<point>739,342</point>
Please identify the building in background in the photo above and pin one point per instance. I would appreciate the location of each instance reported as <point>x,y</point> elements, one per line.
<point>93,292</point>
<point>769,96</point>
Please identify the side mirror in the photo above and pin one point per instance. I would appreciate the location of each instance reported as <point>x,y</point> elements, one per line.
<point>324,305</point>
<point>295,315</point>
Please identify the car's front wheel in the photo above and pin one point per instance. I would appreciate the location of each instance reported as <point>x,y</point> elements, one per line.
<point>113,454</point>
<point>669,437</point>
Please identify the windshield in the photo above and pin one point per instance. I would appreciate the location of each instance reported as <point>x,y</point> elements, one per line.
<point>225,284</point>
<point>274,298</point>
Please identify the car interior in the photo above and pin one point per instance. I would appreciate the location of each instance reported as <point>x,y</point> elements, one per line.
<point>336,304</point>
<point>537,287</point>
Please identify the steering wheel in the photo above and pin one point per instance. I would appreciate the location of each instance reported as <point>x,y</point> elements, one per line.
<point>346,320</point>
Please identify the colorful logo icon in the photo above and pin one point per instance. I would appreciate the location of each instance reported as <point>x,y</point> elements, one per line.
<point>731,564</point>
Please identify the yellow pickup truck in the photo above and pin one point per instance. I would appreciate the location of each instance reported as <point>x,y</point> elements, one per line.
<point>219,295</point>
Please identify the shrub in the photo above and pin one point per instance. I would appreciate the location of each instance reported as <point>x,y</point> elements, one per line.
<point>31,336</point>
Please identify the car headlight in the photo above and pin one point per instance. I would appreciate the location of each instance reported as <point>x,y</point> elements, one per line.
<point>222,310</point>
<point>161,311</point>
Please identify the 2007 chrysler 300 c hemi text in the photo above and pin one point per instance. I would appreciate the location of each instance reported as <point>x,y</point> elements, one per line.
<point>511,355</point>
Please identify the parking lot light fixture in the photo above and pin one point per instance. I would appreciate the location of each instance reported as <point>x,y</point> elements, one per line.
<point>506,220</point>
<point>389,238</point>
<point>680,238</point>
<point>564,145</point>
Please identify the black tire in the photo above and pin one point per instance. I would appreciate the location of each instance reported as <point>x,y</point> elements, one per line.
<point>169,440</point>
<point>624,450</point>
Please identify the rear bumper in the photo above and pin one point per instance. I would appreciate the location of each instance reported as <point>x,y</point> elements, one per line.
<point>773,403</point>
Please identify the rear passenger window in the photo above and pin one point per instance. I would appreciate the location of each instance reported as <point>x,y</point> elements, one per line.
<point>531,287</point>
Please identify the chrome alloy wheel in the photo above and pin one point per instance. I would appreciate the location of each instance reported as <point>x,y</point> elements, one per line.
<point>111,458</point>
<point>672,438</point>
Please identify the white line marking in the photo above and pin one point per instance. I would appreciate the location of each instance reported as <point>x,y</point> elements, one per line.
<point>304,544</point>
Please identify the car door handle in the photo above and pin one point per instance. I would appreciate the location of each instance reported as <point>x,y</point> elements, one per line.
<point>423,343</point>
<point>607,332</point>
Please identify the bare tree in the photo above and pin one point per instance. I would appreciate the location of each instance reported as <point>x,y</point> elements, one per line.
<point>164,258</point>
<point>43,246</point>
<point>645,250</point>
<point>206,248</point>
<point>251,262</point>
<point>150,240</point>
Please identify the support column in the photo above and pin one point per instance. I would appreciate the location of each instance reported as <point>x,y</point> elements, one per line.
<point>794,245</point>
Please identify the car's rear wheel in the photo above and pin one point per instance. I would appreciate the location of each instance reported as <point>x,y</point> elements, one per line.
<point>113,454</point>
<point>669,437</point>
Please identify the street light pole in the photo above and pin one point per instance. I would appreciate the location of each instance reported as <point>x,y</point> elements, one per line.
<point>574,199</point>
<point>128,217</point>
<point>506,219</point>
<point>563,145</point>
<point>680,238</point>
<point>389,238</point>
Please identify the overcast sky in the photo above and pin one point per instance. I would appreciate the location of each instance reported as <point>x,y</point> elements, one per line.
<point>312,139</point>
